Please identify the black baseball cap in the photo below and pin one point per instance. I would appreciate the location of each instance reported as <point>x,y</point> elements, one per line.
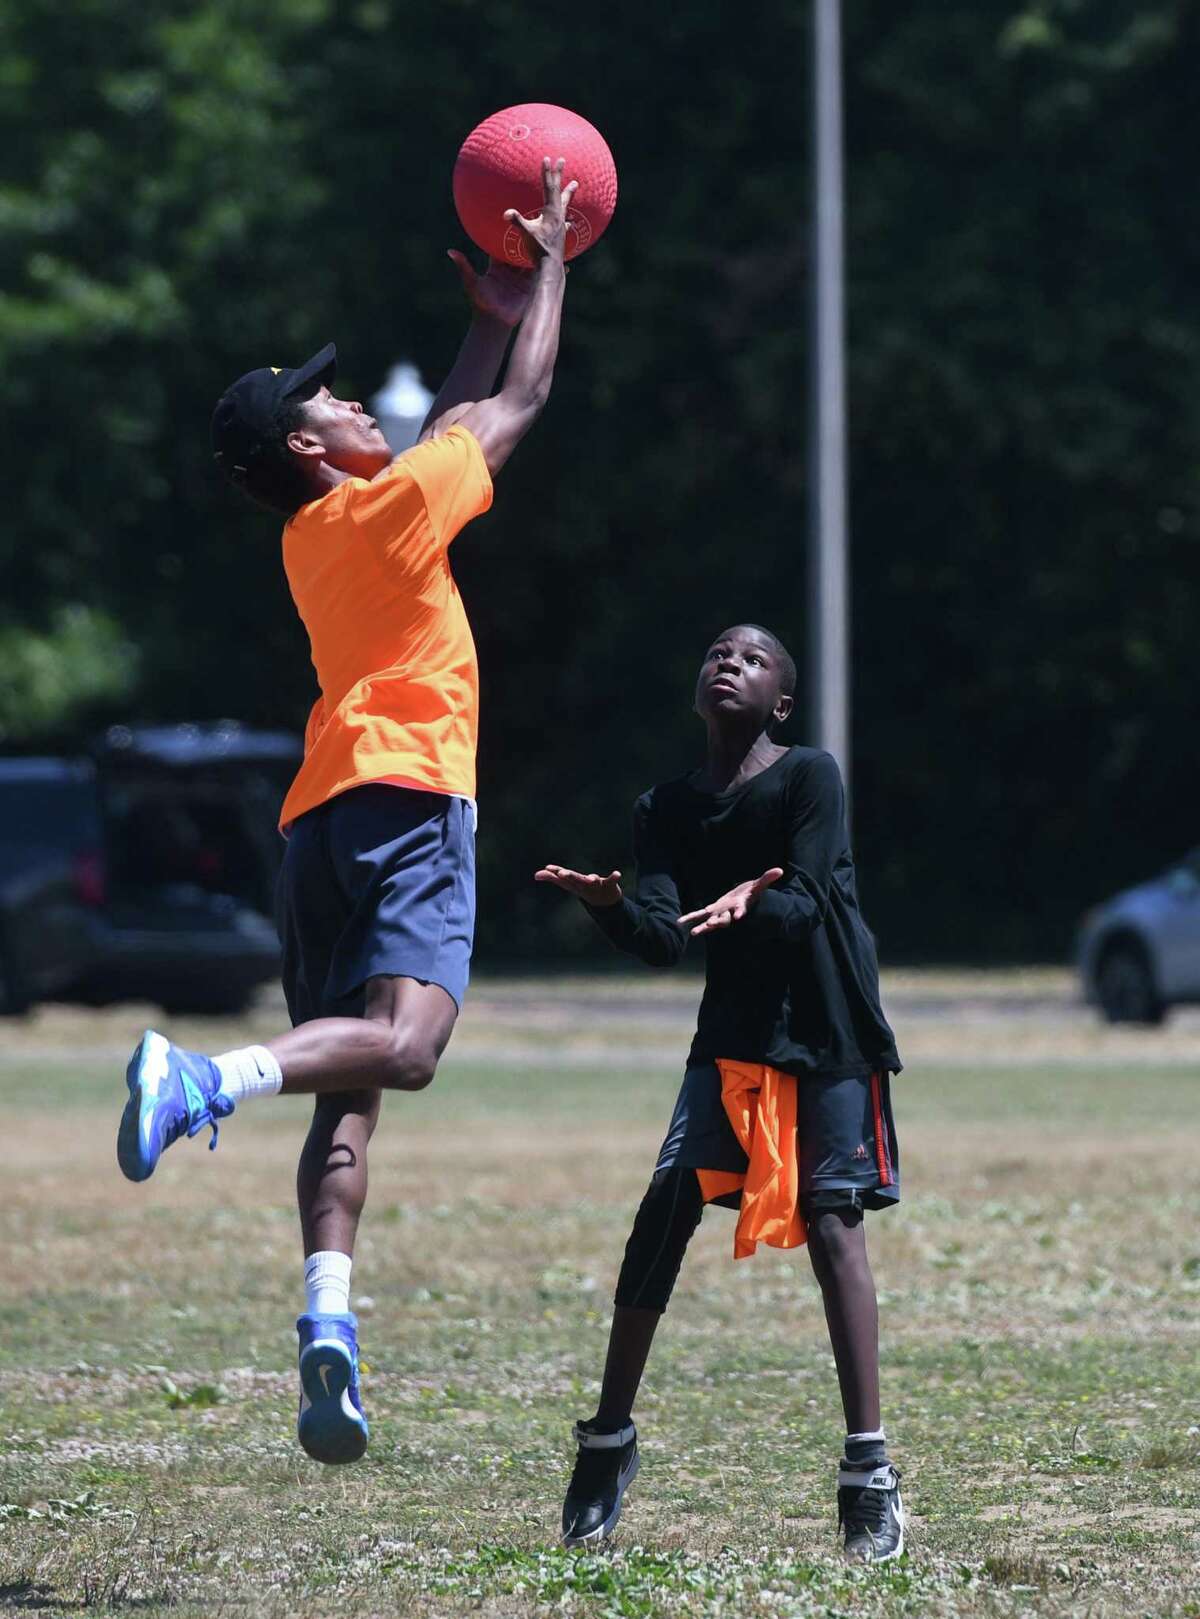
<point>246,411</point>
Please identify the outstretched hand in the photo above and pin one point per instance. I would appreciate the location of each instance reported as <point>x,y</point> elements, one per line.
<point>546,233</point>
<point>587,886</point>
<point>731,907</point>
<point>502,291</point>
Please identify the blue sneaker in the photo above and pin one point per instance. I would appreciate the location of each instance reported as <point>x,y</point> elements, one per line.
<point>331,1425</point>
<point>171,1093</point>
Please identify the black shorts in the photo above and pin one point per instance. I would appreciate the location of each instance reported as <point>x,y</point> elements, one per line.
<point>846,1136</point>
<point>377,882</point>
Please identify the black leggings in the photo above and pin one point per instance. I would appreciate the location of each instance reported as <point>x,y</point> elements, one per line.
<point>668,1215</point>
<point>665,1222</point>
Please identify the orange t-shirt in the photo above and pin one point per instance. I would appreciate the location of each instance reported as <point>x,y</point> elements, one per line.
<point>368,569</point>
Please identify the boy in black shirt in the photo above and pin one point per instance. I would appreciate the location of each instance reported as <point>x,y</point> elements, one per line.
<point>785,1109</point>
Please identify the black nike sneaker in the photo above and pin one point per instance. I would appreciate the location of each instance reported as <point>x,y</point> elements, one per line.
<point>870,1512</point>
<point>605,1467</point>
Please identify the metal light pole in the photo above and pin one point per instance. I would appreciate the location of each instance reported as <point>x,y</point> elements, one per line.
<point>828,615</point>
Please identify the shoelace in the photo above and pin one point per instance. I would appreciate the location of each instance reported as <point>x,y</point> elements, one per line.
<point>201,1109</point>
<point>868,1514</point>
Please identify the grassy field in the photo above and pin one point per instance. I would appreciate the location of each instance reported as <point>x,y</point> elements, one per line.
<point>1040,1291</point>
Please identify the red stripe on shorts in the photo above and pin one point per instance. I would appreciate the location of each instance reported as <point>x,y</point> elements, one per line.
<point>882,1156</point>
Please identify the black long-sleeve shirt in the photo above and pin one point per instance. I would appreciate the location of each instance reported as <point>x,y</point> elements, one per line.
<point>795,984</point>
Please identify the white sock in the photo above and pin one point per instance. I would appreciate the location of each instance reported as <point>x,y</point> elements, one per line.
<point>248,1071</point>
<point>327,1283</point>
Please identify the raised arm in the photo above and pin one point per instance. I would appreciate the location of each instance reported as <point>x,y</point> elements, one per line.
<point>499,299</point>
<point>501,422</point>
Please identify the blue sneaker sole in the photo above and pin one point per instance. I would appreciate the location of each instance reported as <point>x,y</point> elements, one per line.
<point>330,1429</point>
<point>135,1166</point>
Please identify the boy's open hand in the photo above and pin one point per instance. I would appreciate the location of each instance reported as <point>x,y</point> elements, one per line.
<point>546,233</point>
<point>731,907</point>
<point>587,886</point>
<point>502,291</point>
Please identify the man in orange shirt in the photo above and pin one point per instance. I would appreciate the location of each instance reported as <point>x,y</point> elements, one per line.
<point>377,891</point>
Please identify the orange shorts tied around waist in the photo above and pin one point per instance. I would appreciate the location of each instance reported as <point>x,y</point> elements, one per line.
<point>760,1103</point>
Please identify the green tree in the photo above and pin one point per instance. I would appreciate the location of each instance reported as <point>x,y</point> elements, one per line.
<point>193,190</point>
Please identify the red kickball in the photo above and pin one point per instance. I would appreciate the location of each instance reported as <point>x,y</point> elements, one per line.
<point>499,166</point>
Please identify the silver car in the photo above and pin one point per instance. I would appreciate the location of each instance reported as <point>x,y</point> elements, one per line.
<point>1139,953</point>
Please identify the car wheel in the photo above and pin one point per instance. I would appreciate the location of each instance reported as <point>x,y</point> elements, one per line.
<point>1125,986</point>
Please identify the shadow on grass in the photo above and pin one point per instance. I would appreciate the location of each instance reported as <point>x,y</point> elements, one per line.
<point>31,1596</point>
<point>25,1594</point>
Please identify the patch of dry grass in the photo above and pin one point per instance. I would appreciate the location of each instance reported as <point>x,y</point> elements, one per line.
<point>1040,1289</point>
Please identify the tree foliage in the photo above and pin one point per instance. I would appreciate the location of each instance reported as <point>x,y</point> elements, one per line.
<point>192,190</point>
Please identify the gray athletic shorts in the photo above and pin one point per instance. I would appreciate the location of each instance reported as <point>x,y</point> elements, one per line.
<point>846,1136</point>
<point>377,882</point>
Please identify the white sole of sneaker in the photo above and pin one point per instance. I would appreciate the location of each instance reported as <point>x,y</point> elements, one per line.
<point>145,1072</point>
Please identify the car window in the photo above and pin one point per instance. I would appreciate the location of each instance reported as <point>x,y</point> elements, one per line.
<point>48,814</point>
<point>166,832</point>
<point>1183,881</point>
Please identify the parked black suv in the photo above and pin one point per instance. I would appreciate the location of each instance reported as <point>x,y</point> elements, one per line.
<point>144,872</point>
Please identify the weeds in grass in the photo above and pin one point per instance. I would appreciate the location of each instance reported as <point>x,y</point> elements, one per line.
<point>1161,1454</point>
<point>61,1510</point>
<point>104,1588</point>
<point>1020,1570</point>
<point>636,1583</point>
<point>199,1398</point>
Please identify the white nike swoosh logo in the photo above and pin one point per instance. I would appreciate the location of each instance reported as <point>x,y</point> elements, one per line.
<point>324,1371</point>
